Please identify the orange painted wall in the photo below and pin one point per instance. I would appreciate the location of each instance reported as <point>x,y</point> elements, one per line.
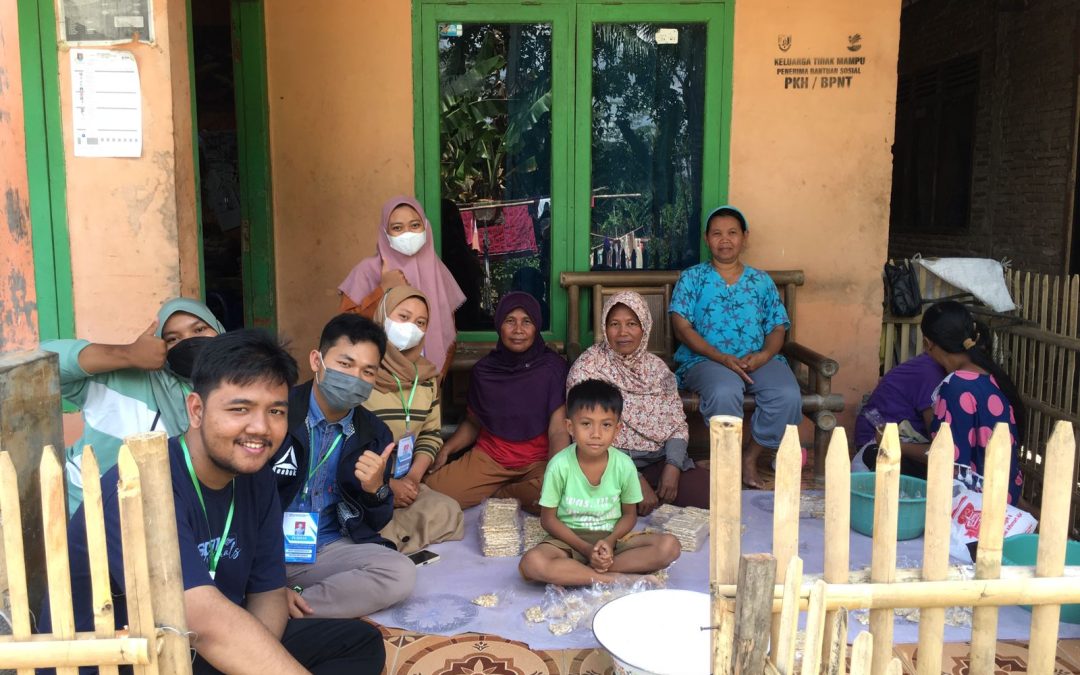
<point>812,169</point>
<point>18,309</point>
<point>131,222</point>
<point>340,86</point>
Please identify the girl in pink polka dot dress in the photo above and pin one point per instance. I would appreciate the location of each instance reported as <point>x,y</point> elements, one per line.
<point>975,395</point>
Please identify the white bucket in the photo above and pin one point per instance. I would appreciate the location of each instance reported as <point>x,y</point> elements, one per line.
<point>662,632</point>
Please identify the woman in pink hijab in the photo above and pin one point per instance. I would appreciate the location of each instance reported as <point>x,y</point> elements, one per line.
<point>406,256</point>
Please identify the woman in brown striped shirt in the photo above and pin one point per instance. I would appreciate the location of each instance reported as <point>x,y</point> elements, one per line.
<point>406,399</point>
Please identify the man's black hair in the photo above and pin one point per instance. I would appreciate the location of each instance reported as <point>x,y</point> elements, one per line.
<point>593,394</point>
<point>354,327</point>
<point>241,357</point>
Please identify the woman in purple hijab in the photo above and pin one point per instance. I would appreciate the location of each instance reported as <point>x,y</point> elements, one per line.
<point>515,417</point>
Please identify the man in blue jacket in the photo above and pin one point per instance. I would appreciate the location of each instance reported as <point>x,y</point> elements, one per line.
<point>333,482</point>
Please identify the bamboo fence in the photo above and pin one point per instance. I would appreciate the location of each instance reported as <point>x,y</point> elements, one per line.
<point>1038,346</point>
<point>155,639</point>
<point>736,582</point>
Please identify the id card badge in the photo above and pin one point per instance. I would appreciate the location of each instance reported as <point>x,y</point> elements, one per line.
<point>404,455</point>
<point>301,531</point>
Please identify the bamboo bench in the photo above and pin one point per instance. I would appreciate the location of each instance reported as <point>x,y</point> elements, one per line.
<point>813,371</point>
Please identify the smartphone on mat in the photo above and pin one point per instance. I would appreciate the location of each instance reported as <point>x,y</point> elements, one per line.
<point>424,557</point>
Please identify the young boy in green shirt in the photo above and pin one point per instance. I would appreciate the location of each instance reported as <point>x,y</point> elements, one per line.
<point>589,502</point>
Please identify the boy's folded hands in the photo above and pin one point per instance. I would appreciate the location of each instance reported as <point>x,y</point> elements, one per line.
<point>601,558</point>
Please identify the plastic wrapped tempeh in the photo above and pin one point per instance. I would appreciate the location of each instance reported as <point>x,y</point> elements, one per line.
<point>500,528</point>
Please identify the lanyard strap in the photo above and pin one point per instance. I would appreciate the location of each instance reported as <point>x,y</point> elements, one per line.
<point>228,519</point>
<point>313,469</point>
<point>401,394</point>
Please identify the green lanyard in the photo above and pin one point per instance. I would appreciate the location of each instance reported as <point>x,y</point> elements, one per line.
<point>314,469</point>
<point>228,519</point>
<point>401,394</point>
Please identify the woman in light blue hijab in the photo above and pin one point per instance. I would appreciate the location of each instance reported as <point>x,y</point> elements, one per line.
<point>127,389</point>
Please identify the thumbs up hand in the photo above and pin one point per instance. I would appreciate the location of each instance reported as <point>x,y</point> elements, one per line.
<point>147,352</point>
<point>370,468</point>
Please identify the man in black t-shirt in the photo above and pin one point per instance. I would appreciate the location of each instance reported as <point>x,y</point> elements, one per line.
<point>229,524</point>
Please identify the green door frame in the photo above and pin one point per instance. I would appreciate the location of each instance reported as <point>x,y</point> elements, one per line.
<point>571,119</point>
<point>717,125</point>
<point>427,153</point>
<point>253,147</point>
<point>45,169</point>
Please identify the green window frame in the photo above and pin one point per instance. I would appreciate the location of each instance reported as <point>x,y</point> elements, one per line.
<point>45,169</point>
<point>571,22</point>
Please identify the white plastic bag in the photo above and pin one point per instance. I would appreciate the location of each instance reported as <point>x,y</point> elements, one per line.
<point>967,518</point>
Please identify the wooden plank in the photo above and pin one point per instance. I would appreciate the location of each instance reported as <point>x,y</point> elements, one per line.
<point>69,654</point>
<point>753,611</point>
<point>837,533</point>
<point>862,654</point>
<point>905,342</point>
<point>14,555</point>
<point>1053,538</point>
<point>136,569</point>
<point>939,486</point>
<point>100,586</point>
<point>991,534</point>
<point>54,522</point>
<point>785,543</point>
<point>883,555</point>
<point>789,618</point>
<point>894,667</point>
<point>151,452</point>
<point>889,329</point>
<point>835,653</point>
<point>725,531</point>
<point>815,630</point>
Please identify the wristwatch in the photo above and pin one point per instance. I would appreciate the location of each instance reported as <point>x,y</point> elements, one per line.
<point>382,493</point>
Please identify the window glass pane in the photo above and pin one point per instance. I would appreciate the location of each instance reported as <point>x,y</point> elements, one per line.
<point>648,97</point>
<point>495,163</point>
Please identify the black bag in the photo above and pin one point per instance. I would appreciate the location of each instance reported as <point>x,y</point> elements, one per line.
<point>902,296</point>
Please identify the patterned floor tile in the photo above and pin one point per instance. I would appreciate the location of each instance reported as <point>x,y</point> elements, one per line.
<point>472,654</point>
<point>1011,657</point>
<point>589,662</point>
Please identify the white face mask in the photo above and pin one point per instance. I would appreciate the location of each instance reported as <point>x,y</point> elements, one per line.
<point>404,336</point>
<point>408,243</point>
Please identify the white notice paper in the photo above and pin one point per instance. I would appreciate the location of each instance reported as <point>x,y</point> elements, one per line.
<point>107,103</point>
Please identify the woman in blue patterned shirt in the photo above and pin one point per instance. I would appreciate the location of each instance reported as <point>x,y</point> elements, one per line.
<point>731,323</point>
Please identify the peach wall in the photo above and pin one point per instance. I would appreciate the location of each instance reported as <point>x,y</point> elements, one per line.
<point>18,308</point>
<point>340,87</point>
<point>129,219</point>
<point>812,169</point>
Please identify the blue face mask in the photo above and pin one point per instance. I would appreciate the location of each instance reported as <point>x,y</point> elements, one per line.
<point>341,390</point>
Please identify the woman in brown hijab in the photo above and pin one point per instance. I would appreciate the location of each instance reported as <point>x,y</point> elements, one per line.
<point>406,399</point>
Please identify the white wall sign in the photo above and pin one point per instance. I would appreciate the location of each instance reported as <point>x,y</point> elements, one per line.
<point>106,101</point>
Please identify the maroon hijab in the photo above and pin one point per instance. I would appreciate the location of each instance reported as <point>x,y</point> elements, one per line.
<point>513,394</point>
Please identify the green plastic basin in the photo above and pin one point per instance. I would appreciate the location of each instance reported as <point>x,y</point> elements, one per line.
<point>1021,550</point>
<point>912,518</point>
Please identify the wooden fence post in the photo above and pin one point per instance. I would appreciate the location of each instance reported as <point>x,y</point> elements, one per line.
<point>14,556</point>
<point>725,531</point>
<point>862,654</point>
<point>939,484</point>
<point>815,630</point>
<point>786,499</point>
<point>837,539</point>
<point>784,651</point>
<point>991,534</point>
<point>883,557</point>
<point>54,524</point>
<point>98,552</point>
<point>1053,539</point>
<point>151,453</point>
<point>753,610</point>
